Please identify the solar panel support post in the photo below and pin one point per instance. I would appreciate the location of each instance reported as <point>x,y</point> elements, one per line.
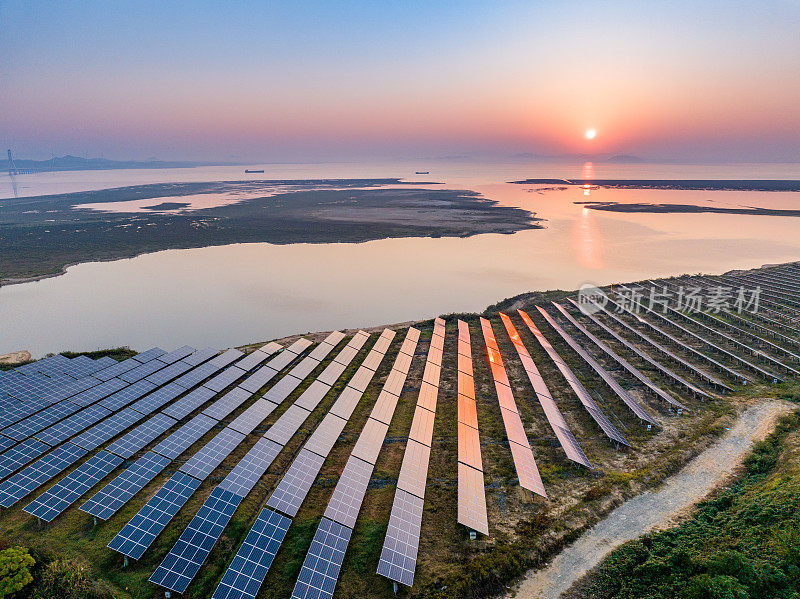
<point>394,586</point>
<point>125,562</point>
<point>473,535</point>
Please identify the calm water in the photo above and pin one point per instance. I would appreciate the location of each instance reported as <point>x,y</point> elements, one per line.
<point>229,295</point>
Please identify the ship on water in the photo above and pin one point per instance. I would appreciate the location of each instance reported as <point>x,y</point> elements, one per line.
<point>247,170</point>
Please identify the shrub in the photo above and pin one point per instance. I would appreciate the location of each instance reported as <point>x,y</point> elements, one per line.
<point>15,564</point>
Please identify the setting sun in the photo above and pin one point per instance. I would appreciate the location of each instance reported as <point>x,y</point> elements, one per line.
<point>591,133</point>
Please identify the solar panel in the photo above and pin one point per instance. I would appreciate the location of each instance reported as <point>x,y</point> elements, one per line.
<point>107,429</point>
<point>123,397</point>
<point>139,437</point>
<point>150,354</point>
<point>287,425</point>
<point>383,409</point>
<point>395,381</point>
<point>41,420</point>
<point>414,471</point>
<point>227,357</point>
<point>15,458</point>
<point>346,403</point>
<point>472,499</point>
<point>402,363</point>
<point>249,567</point>
<point>38,473</point>
<point>332,372</point>
<point>185,436</point>
<point>422,426</point>
<point>224,378</point>
<point>98,392</point>
<point>469,446</point>
<point>251,467</point>
<point>373,359</point>
<point>254,415</point>
<point>323,561</point>
<point>306,365</point>
<point>325,436</point>
<point>140,532</point>
<point>602,372</point>
<point>5,443</point>
<point>282,389</point>
<point>258,379</point>
<point>345,502</point>
<point>176,354</point>
<point>184,560</point>
<point>197,375</point>
<point>252,360</point>
<point>527,472</point>
<point>143,371</point>
<point>116,369</point>
<point>200,356</point>
<point>158,398</point>
<point>170,372</point>
<point>432,373</point>
<point>312,395</point>
<point>349,352</point>
<point>203,463</point>
<point>66,491</point>
<point>583,395</point>
<point>108,500</point>
<point>361,379</point>
<point>227,403</point>
<point>189,403</point>
<point>399,554</point>
<point>427,396</point>
<point>288,496</point>
<point>370,441</point>
<point>72,425</point>
<point>383,342</point>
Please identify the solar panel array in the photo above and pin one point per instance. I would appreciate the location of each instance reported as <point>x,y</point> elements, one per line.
<point>251,563</point>
<point>583,395</point>
<point>471,495</point>
<point>400,546</point>
<point>634,405</point>
<point>184,560</point>
<point>187,555</point>
<point>552,413</point>
<point>323,561</point>
<point>521,452</point>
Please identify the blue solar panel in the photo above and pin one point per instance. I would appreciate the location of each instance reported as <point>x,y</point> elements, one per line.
<point>249,567</point>
<point>108,429</point>
<point>226,358</point>
<point>142,371</point>
<point>38,473</point>
<point>133,441</point>
<point>227,403</point>
<point>41,420</point>
<point>203,463</point>
<point>138,534</point>
<point>66,491</point>
<point>116,369</point>
<point>185,436</point>
<point>170,372</point>
<point>196,376</point>
<point>200,356</point>
<point>72,425</point>
<point>189,403</point>
<point>108,500</point>
<point>224,378</point>
<point>5,443</point>
<point>123,397</point>
<point>158,398</point>
<point>176,354</point>
<point>98,392</point>
<point>150,354</point>
<point>15,458</point>
<point>251,467</point>
<point>190,551</point>
<point>323,561</point>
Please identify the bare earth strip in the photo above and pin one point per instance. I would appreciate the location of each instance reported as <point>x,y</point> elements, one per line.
<point>657,509</point>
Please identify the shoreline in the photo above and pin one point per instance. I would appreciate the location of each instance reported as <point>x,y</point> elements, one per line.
<point>676,184</point>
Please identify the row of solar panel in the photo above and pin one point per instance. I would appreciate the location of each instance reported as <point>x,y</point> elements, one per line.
<point>139,533</point>
<point>400,546</point>
<point>521,452</point>
<point>182,563</point>
<point>321,566</point>
<point>471,495</point>
<point>61,495</point>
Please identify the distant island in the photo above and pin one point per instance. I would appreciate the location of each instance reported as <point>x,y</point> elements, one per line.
<point>677,184</point>
<point>40,236</point>
<point>76,163</point>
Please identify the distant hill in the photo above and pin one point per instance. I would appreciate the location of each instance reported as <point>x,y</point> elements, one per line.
<point>624,158</point>
<point>76,163</point>
<point>616,158</point>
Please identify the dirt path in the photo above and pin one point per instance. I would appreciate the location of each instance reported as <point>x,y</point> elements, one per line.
<point>655,509</point>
